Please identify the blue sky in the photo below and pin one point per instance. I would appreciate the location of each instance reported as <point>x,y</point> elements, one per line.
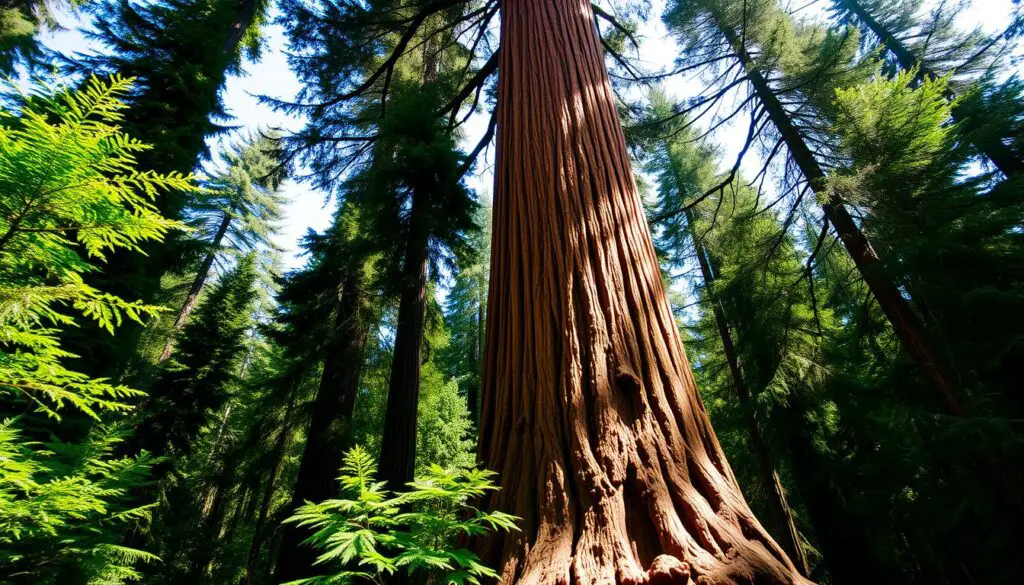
<point>308,209</point>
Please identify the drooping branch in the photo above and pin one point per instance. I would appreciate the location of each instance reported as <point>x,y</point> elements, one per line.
<point>475,84</point>
<point>480,146</point>
<point>610,19</point>
<point>755,116</point>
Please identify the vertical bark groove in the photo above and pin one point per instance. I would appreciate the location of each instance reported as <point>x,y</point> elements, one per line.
<point>590,412</point>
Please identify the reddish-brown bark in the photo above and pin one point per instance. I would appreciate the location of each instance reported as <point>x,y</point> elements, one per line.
<point>590,412</point>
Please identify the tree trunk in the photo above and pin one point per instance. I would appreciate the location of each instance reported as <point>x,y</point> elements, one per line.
<point>905,323</point>
<point>590,412</point>
<point>213,510</point>
<point>237,513</point>
<point>197,284</point>
<point>473,390</point>
<point>243,20</point>
<point>778,504</point>
<point>215,451</point>
<point>1000,154</point>
<point>398,445</point>
<point>280,448</point>
<point>329,434</point>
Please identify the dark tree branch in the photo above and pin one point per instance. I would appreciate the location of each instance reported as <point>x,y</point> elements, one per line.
<point>755,116</point>
<point>600,13</point>
<point>480,146</point>
<point>475,83</point>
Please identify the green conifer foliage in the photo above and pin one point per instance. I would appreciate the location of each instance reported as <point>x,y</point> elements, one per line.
<point>20,22</point>
<point>237,213</point>
<point>63,507</point>
<point>419,214</point>
<point>927,41</point>
<point>465,310</point>
<point>70,195</point>
<point>197,381</point>
<point>180,52</point>
<point>957,239</point>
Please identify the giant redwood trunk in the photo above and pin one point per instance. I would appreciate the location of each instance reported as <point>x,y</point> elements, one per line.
<point>398,443</point>
<point>329,434</point>
<point>590,412</point>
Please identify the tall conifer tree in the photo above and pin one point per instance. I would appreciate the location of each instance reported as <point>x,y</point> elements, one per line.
<point>180,53</point>
<point>198,381</point>
<point>236,213</point>
<point>590,413</point>
<point>731,30</point>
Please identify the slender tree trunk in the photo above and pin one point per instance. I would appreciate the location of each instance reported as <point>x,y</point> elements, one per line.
<point>778,503</point>
<point>398,446</point>
<point>211,517</point>
<point>197,284</point>
<point>1002,156</point>
<point>590,412</point>
<point>823,504</point>
<point>238,513</point>
<point>213,493</point>
<point>215,452</point>
<point>473,390</point>
<point>280,448</point>
<point>243,20</point>
<point>330,429</point>
<point>825,508</point>
<point>904,321</point>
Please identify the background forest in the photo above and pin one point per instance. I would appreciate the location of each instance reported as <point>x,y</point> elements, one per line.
<point>834,193</point>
